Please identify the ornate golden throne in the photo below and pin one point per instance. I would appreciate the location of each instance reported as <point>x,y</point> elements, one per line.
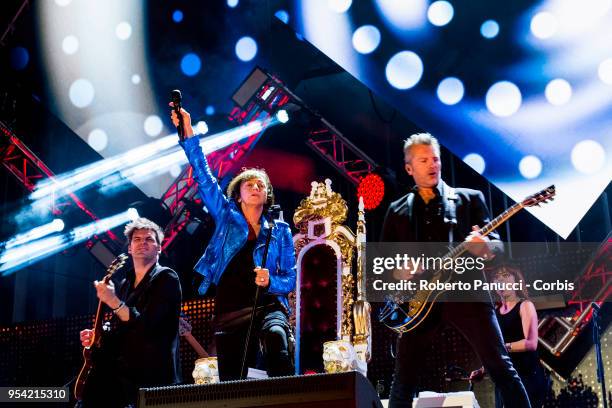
<point>329,300</point>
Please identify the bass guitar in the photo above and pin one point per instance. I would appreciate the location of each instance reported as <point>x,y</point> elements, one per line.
<point>413,307</point>
<point>96,338</point>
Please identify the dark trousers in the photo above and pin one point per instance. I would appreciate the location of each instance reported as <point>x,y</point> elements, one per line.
<point>535,383</point>
<point>268,347</point>
<point>477,322</point>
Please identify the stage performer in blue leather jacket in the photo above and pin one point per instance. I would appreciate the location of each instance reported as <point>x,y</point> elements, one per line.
<point>232,263</point>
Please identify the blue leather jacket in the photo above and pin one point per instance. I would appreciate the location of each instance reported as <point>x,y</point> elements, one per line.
<point>231,233</point>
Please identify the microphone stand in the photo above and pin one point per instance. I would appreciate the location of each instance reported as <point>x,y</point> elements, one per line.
<point>597,341</point>
<point>243,374</point>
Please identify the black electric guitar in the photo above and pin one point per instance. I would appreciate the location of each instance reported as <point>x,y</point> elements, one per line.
<point>405,315</point>
<point>96,339</point>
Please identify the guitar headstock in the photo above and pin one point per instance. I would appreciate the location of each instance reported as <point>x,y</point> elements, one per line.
<point>117,263</point>
<point>543,196</point>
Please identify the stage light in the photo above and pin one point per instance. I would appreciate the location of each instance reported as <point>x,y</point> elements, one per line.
<point>210,110</point>
<point>142,163</point>
<point>282,15</point>
<point>404,70</point>
<point>489,29</point>
<point>544,25</point>
<point>19,58</point>
<point>503,99</point>
<point>123,30</point>
<point>191,64</point>
<point>366,39</point>
<point>97,139</point>
<point>282,116</point>
<point>132,213</point>
<point>604,71</point>
<point>246,49</point>
<point>29,253</point>
<point>450,91</point>
<point>440,13</point>
<point>588,157</point>
<point>56,225</point>
<point>202,127</point>
<point>177,16</point>
<point>558,92</point>
<point>135,79</point>
<point>81,93</point>
<point>530,167</point>
<point>70,44</point>
<point>475,161</point>
<point>63,3</point>
<point>404,15</point>
<point>153,125</point>
<point>339,6</point>
<point>232,3</point>
<point>372,189</point>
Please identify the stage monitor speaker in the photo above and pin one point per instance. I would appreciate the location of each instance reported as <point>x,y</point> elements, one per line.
<point>319,390</point>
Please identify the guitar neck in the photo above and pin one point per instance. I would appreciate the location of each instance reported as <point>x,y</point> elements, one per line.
<point>200,351</point>
<point>487,229</point>
<point>99,321</point>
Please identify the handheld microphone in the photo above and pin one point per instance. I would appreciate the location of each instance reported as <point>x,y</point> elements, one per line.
<point>176,101</point>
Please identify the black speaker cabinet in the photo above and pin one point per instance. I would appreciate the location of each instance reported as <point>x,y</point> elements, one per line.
<point>319,390</point>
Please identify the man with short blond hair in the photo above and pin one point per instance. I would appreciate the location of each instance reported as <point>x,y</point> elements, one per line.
<point>435,212</point>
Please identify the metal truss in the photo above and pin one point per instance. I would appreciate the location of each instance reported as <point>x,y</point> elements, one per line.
<point>265,102</point>
<point>28,169</point>
<point>557,333</point>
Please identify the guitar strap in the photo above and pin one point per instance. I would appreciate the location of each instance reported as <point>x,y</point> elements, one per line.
<point>450,210</point>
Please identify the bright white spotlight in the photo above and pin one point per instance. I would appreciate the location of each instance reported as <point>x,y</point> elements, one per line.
<point>202,127</point>
<point>339,6</point>
<point>97,139</point>
<point>404,70</point>
<point>246,49</point>
<point>63,3</point>
<point>450,91</point>
<point>175,170</point>
<point>489,29</point>
<point>440,13</point>
<point>34,234</point>
<point>135,79</point>
<point>530,167</point>
<point>605,71</point>
<point>24,255</point>
<point>282,116</point>
<point>404,15</point>
<point>81,93</point>
<point>558,92</point>
<point>544,25</point>
<point>58,224</point>
<point>132,213</point>
<point>366,39</point>
<point>503,99</point>
<point>232,3</point>
<point>588,156</point>
<point>70,44</point>
<point>123,30</point>
<point>475,161</point>
<point>153,125</point>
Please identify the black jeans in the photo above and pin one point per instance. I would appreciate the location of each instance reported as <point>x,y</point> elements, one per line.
<point>477,322</point>
<point>269,347</point>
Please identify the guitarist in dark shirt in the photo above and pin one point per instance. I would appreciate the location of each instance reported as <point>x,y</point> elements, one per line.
<point>142,350</point>
<point>420,217</point>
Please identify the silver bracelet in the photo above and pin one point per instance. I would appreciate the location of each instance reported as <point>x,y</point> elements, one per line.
<point>115,310</point>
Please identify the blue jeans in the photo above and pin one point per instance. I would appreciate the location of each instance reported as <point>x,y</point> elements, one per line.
<point>477,322</point>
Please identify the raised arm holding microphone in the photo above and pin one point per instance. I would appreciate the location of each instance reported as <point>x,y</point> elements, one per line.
<point>232,263</point>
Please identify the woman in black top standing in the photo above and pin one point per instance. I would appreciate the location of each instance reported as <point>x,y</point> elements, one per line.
<point>518,322</point>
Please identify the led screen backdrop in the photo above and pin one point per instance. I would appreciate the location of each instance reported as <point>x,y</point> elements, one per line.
<point>520,90</point>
